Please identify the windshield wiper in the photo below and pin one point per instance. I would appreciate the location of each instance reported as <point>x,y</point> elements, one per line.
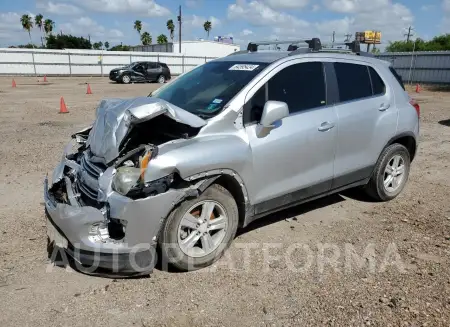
<point>204,116</point>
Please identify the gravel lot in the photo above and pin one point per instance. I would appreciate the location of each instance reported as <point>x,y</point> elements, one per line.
<point>274,274</point>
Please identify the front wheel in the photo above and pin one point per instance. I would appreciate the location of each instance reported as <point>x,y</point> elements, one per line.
<point>126,79</point>
<point>198,231</point>
<point>391,173</point>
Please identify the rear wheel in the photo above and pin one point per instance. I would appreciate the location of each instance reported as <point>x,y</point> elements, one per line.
<point>126,79</point>
<point>391,173</point>
<point>161,79</point>
<point>198,231</point>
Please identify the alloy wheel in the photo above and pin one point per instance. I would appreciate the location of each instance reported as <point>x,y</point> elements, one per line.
<point>394,173</point>
<point>202,228</point>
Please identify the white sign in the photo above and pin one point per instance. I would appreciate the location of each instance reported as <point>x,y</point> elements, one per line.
<point>245,67</point>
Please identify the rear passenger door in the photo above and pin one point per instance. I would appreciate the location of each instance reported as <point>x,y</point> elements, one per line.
<point>153,71</point>
<point>367,119</point>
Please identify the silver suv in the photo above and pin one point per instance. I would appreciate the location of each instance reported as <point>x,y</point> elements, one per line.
<point>222,145</point>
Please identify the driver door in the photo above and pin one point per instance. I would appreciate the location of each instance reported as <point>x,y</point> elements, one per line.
<point>295,160</point>
<point>140,72</point>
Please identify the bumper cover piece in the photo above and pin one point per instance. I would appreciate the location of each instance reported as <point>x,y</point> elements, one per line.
<point>142,219</point>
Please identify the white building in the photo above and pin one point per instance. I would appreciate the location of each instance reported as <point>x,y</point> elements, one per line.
<point>205,48</point>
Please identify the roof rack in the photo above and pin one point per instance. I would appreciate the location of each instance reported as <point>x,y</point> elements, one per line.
<point>312,45</point>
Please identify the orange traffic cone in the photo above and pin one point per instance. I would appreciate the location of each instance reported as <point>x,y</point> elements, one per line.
<point>62,107</point>
<point>89,91</point>
<point>418,89</point>
<point>45,78</point>
<point>13,83</point>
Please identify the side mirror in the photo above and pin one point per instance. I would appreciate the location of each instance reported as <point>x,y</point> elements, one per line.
<point>273,112</point>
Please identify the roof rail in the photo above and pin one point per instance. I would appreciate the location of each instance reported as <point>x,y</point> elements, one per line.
<point>253,46</point>
<point>313,45</point>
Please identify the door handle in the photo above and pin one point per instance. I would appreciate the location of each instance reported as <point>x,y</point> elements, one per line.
<point>384,107</point>
<point>325,126</point>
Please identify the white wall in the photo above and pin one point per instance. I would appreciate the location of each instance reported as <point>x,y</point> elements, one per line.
<point>205,48</point>
<point>87,62</point>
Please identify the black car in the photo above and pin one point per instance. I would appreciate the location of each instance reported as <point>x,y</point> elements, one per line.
<point>142,71</point>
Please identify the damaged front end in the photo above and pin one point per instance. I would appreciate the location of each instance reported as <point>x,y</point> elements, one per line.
<point>101,206</point>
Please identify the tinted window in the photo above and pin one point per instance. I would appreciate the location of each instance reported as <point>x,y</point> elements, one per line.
<point>378,86</point>
<point>254,107</point>
<point>205,90</point>
<point>301,86</point>
<point>139,67</point>
<point>163,64</point>
<point>397,76</point>
<point>152,65</point>
<point>353,81</point>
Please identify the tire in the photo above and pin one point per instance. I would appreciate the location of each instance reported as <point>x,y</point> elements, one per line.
<point>161,79</point>
<point>380,186</point>
<point>126,79</point>
<point>174,253</point>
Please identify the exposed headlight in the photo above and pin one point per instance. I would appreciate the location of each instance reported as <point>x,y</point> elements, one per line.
<point>125,179</point>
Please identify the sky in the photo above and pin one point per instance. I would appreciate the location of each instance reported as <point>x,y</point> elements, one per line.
<point>245,20</point>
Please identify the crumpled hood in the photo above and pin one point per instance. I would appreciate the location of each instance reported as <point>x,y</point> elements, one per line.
<point>115,117</point>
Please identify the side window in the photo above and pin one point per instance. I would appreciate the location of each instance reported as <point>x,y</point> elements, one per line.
<point>397,76</point>
<point>254,107</point>
<point>353,81</point>
<point>301,86</point>
<point>152,65</point>
<point>378,86</point>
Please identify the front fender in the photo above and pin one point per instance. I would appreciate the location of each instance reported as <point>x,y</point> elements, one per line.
<point>200,155</point>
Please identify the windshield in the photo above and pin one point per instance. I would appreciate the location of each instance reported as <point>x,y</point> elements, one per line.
<point>205,90</point>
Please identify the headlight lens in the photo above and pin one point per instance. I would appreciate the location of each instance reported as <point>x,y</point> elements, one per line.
<point>125,179</point>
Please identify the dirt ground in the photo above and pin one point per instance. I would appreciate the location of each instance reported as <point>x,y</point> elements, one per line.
<point>339,261</point>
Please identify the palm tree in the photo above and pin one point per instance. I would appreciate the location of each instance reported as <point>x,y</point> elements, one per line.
<point>138,26</point>
<point>27,24</point>
<point>171,28</point>
<point>207,26</point>
<point>48,26</point>
<point>146,38</point>
<point>106,45</point>
<point>39,22</point>
<point>162,39</point>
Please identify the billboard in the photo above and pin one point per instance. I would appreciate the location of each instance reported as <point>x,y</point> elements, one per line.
<point>224,39</point>
<point>368,37</point>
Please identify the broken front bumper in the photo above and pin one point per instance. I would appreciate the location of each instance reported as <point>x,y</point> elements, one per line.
<point>86,228</point>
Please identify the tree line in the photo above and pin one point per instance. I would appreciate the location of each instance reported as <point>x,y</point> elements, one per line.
<point>63,41</point>
<point>438,43</point>
<point>146,37</point>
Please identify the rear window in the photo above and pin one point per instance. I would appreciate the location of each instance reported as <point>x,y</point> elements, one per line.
<point>397,76</point>
<point>353,81</point>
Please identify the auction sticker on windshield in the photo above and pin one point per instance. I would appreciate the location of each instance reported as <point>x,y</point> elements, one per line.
<point>245,67</point>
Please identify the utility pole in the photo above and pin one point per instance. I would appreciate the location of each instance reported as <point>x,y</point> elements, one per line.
<point>409,34</point>
<point>347,37</point>
<point>333,38</point>
<point>179,38</point>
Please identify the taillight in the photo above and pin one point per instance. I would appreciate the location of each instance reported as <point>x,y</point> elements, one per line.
<point>416,106</point>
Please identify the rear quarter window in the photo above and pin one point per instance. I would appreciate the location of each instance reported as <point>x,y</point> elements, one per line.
<point>397,77</point>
